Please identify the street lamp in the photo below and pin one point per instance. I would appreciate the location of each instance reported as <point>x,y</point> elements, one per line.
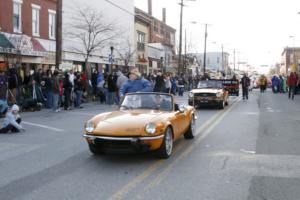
<point>204,56</point>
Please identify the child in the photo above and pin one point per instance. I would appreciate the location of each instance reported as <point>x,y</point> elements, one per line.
<point>12,120</point>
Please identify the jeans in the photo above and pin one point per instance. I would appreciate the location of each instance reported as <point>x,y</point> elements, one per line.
<point>78,98</point>
<point>180,91</point>
<point>55,101</point>
<point>3,105</point>
<point>111,98</point>
<point>245,92</point>
<point>292,91</point>
<point>49,99</point>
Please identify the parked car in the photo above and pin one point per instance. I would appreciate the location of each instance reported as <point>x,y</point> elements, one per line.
<point>144,122</point>
<point>209,93</point>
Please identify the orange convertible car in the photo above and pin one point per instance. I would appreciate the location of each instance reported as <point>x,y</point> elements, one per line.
<point>144,122</point>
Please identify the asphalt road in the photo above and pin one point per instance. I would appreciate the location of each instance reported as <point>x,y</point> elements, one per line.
<point>248,151</point>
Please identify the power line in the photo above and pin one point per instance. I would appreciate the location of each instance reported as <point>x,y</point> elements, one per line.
<point>116,5</point>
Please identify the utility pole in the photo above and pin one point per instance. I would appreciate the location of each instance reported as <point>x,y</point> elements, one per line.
<point>58,55</point>
<point>204,56</point>
<point>223,68</point>
<point>234,60</point>
<point>185,58</point>
<point>180,39</point>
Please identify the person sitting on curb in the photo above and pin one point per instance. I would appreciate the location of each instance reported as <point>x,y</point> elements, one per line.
<point>136,83</point>
<point>12,120</point>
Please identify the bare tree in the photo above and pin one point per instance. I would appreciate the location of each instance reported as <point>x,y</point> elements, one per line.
<point>91,32</point>
<point>126,52</point>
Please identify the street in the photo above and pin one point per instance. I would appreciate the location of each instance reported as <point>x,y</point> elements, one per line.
<point>250,150</point>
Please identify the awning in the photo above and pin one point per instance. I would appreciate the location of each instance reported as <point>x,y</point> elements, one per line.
<point>25,45</point>
<point>37,46</point>
<point>4,42</point>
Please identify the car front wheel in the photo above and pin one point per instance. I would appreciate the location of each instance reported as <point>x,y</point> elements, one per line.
<point>190,134</point>
<point>222,105</point>
<point>166,147</point>
<point>96,150</point>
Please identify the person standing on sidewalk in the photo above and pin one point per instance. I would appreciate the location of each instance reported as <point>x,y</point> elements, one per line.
<point>159,83</point>
<point>292,83</point>
<point>56,91</point>
<point>180,84</point>
<point>120,81</point>
<point>245,81</point>
<point>78,89</point>
<point>3,92</point>
<point>67,91</point>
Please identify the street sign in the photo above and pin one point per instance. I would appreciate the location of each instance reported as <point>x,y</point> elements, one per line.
<point>111,59</point>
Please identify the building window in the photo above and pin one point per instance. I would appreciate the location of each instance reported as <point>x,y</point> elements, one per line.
<point>17,16</point>
<point>36,20</point>
<point>52,17</point>
<point>141,41</point>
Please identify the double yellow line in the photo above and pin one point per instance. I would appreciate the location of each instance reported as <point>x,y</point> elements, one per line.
<point>205,129</point>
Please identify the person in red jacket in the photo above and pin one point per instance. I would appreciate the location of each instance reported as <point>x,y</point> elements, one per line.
<point>292,83</point>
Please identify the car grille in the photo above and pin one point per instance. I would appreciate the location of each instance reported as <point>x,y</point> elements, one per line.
<point>204,94</point>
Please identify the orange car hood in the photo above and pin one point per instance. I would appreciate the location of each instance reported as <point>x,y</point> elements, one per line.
<point>126,123</point>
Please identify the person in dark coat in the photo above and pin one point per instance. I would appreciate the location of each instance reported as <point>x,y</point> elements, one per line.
<point>3,92</point>
<point>159,83</point>
<point>94,82</point>
<point>67,91</point>
<point>112,88</point>
<point>78,89</point>
<point>13,84</point>
<point>245,81</point>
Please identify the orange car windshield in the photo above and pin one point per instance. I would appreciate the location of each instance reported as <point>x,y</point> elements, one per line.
<point>148,101</point>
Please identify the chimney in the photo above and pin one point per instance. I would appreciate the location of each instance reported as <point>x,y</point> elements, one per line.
<point>150,7</point>
<point>164,15</point>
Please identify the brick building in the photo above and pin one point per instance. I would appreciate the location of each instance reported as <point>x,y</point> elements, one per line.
<point>290,60</point>
<point>161,36</point>
<point>27,34</point>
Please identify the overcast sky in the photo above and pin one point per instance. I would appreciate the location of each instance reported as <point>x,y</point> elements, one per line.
<point>257,29</point>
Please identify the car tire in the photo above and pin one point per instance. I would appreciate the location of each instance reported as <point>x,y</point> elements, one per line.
<point>226,103</point>
<point>96,150</point>
<point>190,134</point>
<point>166,147</point>
<point>222,105</point>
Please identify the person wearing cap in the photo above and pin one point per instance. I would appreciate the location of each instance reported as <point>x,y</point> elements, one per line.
<point>135,83</point>
<point>12,120</point>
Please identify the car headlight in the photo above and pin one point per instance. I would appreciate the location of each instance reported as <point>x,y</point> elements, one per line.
<point>219,94</point>
<point>151,128</point>
<point>89,127</point>
<point>191,94</point>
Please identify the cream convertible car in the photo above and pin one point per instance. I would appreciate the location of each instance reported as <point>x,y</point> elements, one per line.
<point>144,122</point>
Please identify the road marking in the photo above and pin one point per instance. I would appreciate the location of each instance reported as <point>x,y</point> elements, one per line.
<point>43,126</point>
<point>120,194</point>
<point>161,176</point>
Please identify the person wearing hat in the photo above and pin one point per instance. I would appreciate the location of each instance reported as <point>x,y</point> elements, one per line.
<point>135,83</point>
<point>12,120</point>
